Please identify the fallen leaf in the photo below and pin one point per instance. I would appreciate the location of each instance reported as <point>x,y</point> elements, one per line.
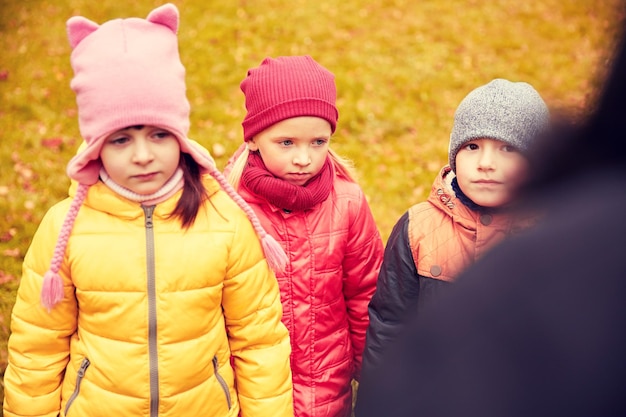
<point>52,143</point>
<point>4,277</point>
<point>8,235</point>
<point>12,253</point>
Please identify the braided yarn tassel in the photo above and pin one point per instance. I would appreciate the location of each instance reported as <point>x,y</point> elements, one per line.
<point>276,256</point>
<point>52,289</point>
<point>274,253</point>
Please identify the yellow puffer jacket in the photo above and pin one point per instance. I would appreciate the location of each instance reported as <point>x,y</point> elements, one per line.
<point>150,317</point>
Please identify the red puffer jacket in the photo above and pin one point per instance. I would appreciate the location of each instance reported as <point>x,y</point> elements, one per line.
<point>335,252</point>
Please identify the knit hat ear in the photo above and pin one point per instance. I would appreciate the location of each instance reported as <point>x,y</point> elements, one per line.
<point>511,112</point>
<point>78,28</point>
<point>287,87</point>
<point>166,15</point>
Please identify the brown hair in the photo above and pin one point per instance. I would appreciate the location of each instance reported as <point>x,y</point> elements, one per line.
<point>194,192</point>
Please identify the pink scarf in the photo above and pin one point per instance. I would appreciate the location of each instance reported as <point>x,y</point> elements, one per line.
<point>258,180</point>
<point>175,183</point>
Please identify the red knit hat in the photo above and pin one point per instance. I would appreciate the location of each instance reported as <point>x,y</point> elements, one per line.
<point>286,87</point>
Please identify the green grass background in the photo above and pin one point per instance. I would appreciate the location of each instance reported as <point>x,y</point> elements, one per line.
<point>401,66</point>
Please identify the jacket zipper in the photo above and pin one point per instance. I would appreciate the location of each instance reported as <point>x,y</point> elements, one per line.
<point>152,316</point>
<point>222,382</point>
<point>79,378</point>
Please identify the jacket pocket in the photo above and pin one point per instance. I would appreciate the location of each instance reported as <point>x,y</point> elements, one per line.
<point>79,378</point>
<point>222,382</point>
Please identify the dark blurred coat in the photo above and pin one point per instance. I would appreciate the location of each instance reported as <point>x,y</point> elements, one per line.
<point>538,326</point>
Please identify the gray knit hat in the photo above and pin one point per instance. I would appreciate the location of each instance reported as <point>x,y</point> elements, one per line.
<point>512,112</point>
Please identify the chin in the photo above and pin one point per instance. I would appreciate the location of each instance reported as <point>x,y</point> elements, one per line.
<point>492,203</point>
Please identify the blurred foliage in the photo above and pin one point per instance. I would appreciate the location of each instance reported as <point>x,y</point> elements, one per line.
<point>401,66</point>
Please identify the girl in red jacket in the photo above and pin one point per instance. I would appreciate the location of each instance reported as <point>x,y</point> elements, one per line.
<point>307,199</point>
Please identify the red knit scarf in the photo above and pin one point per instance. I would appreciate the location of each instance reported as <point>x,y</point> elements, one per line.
<point>258,180</point>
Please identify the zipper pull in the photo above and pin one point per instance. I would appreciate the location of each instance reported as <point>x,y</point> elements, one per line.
<point>148,212</point>
<point>83,367</point>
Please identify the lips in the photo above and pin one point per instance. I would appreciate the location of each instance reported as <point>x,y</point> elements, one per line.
<point>145,177</point>
<point>298,178</point>
<point>298,174</point>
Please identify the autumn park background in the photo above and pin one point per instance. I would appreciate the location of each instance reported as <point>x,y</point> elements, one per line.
<point>401,66</point>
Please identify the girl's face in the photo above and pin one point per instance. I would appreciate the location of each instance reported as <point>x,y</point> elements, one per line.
<point>490,172</point>
<point>294,149</point>
<point>140,158</point>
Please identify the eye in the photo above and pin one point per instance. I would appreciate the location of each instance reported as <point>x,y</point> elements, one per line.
<point>162,134</point>
<point>471,146</point>
<point>319,142</point>
<point>509,148</point>
<point>118,140</point>
<point>286,142</point>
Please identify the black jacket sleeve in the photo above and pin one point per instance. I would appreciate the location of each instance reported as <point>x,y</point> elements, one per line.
<point>396,295</point>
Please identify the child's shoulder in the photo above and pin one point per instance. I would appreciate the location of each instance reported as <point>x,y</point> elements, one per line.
<point>219,201</point>
<point>52,220</point>
<point>217,196</point>
<point>420,209</point>
<point>344,187</point>
<point>59,209</point>
<point>433,208</point>
<point>425,215</point>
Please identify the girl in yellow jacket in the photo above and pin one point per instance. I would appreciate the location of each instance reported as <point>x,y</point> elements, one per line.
<point>138,288</point>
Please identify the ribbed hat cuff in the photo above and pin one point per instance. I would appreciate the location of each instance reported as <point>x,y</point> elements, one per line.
<point>293,108</point>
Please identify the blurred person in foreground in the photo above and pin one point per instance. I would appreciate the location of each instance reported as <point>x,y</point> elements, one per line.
<point>536,327</point>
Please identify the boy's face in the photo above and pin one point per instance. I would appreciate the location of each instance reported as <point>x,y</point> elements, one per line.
<point>141,158</point>
<point>490,172</point>
<point>294,149</point>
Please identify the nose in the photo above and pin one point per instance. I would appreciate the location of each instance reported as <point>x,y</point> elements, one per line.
<point>302,157</point>
<point>486,159</point>
<point>142,152</point>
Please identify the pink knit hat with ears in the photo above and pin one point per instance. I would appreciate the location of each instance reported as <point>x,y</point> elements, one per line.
<point>127,72</point>
<point>286,87</point>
